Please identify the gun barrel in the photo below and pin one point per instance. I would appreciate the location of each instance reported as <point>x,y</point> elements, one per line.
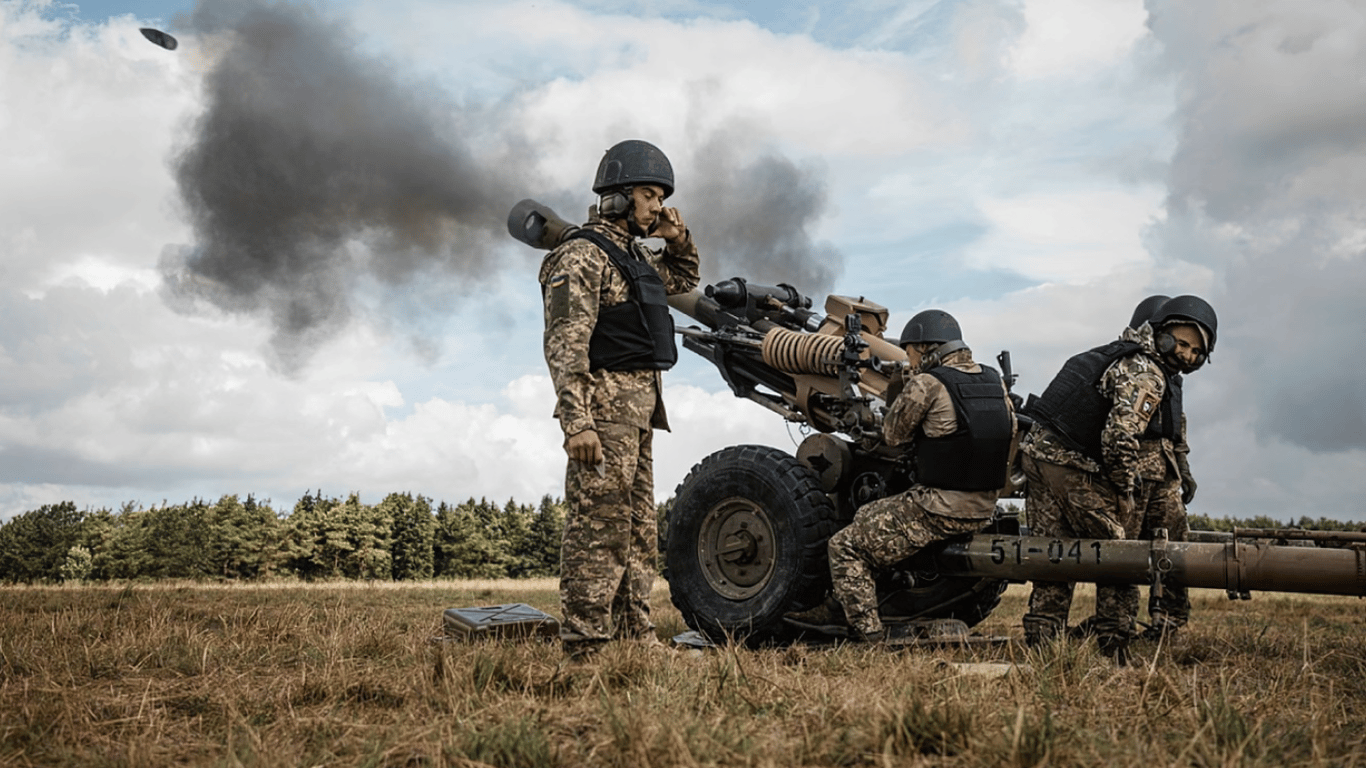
<point>1237,567</point>
<point>699,307</point>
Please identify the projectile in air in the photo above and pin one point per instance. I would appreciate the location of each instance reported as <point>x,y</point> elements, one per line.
<point>159,38</point>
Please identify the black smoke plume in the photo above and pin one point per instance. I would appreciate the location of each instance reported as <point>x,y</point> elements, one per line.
<point>319,174</point>
<point>754,217</point>
<point>315,168</point>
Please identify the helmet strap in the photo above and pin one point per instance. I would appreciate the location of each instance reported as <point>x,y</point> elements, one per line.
<point>934,357</point>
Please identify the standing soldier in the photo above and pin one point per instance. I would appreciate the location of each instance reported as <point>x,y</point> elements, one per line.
<point>1165,473</point>
<point>1164,461</point>
<point>608,335</point>
<point>1084,457</point>
<point>960,469</point>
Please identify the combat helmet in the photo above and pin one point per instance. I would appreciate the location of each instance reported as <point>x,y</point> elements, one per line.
<point>633,162</point>
<point>1146,308</point>
<point>932,326</point>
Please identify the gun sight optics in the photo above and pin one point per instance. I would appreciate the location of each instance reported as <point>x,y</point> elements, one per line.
<point>737,293</point>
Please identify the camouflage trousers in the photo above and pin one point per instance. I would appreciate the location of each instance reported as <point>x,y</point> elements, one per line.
<point>883,533</point>
<point>1165,509</point>
<point>607,558</point>
<point>1068,502</point>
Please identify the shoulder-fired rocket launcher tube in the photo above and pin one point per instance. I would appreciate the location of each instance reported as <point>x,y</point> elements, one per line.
<point>1236,566</point>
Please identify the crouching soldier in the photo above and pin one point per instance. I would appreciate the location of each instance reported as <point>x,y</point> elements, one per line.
<point>956,417</point>
<point>1084,456</point>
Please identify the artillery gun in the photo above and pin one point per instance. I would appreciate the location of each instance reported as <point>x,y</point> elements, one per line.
<point>746,536</point>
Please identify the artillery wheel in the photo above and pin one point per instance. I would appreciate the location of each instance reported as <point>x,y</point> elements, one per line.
<point>746,543</point>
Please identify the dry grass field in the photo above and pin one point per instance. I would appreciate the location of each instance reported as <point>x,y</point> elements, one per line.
<point>349,674</point>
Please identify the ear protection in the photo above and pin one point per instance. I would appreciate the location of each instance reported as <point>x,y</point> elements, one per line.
<point>614,204</point>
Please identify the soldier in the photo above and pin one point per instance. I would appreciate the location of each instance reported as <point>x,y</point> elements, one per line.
<point>608,335</point>
<point>1163,465</point>
<point>960,469</point>
<point>1085,459</point>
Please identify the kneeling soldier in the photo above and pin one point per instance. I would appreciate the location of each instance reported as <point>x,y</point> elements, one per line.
<point>956,417</point>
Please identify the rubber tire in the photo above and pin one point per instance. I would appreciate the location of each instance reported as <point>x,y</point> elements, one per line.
<point>759,482</point>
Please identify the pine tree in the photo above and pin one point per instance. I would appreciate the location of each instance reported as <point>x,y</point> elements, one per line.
<point>34,544</point>
<point>464,548</point>
<point>544,538</point>
<point>413,534</point>
<point>245,538</point>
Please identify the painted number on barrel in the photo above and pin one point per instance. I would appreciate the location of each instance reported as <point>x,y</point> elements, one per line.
<point>1058,550</point>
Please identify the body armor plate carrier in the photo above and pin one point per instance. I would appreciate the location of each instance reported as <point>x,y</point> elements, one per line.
<point>975,456</point>
<point>1073,407</point>
<point>637,334</point>
<point>1167,422</point>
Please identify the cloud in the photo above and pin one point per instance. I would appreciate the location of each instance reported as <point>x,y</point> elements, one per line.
<point>1266,189</point>
<point>1263,218</point>
<point>68,198</point>
<point>320,170</point>
<point>1036,186</point>
<point>1065,37</point>
<point>1067,237</point>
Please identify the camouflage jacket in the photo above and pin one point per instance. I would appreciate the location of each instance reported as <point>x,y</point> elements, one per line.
<point>590,282</point>
<point>925,401</point>
<point>1134,385</point>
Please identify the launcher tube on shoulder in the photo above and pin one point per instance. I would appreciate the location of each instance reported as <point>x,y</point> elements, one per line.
<point>537,225</point>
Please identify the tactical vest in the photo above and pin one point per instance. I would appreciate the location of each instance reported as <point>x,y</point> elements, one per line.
<point>1168,420</point>
<point>637,334</point>
<point>974,456</point>
<point>1073,407</point>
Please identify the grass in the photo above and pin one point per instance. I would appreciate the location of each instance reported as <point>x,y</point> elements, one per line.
<point>350,674</point>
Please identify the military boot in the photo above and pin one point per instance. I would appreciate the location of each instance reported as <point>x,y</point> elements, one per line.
<point>1161,628</point>
<point>879,637</point>
<point>1115,647</point>
<point>827,617</point>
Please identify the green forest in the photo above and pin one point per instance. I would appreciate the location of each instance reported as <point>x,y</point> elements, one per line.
<point>403,537</point>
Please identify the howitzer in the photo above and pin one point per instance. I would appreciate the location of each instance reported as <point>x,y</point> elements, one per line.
<point>746,536</point>
<point>1237,565</point>
<point>830,372</point>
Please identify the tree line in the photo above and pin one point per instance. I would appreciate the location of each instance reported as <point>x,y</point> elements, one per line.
<point>401,538</point>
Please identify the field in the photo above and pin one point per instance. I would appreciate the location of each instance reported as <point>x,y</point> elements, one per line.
<point>350,674</point>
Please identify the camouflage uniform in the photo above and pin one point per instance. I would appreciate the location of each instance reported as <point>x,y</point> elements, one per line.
<point>1070,495</point>
<point>607,559</point>
<point>1161,467</point>
<point>886,531</point>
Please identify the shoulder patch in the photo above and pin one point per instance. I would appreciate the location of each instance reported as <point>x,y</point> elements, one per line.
<point>1147,403</point>
<point>559,296</point>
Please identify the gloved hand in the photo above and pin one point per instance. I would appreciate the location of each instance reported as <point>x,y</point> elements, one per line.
<point>894,386</point>
<point>1188,487</point>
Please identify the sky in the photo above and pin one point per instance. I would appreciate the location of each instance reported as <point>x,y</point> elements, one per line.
<point>274,260</point>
